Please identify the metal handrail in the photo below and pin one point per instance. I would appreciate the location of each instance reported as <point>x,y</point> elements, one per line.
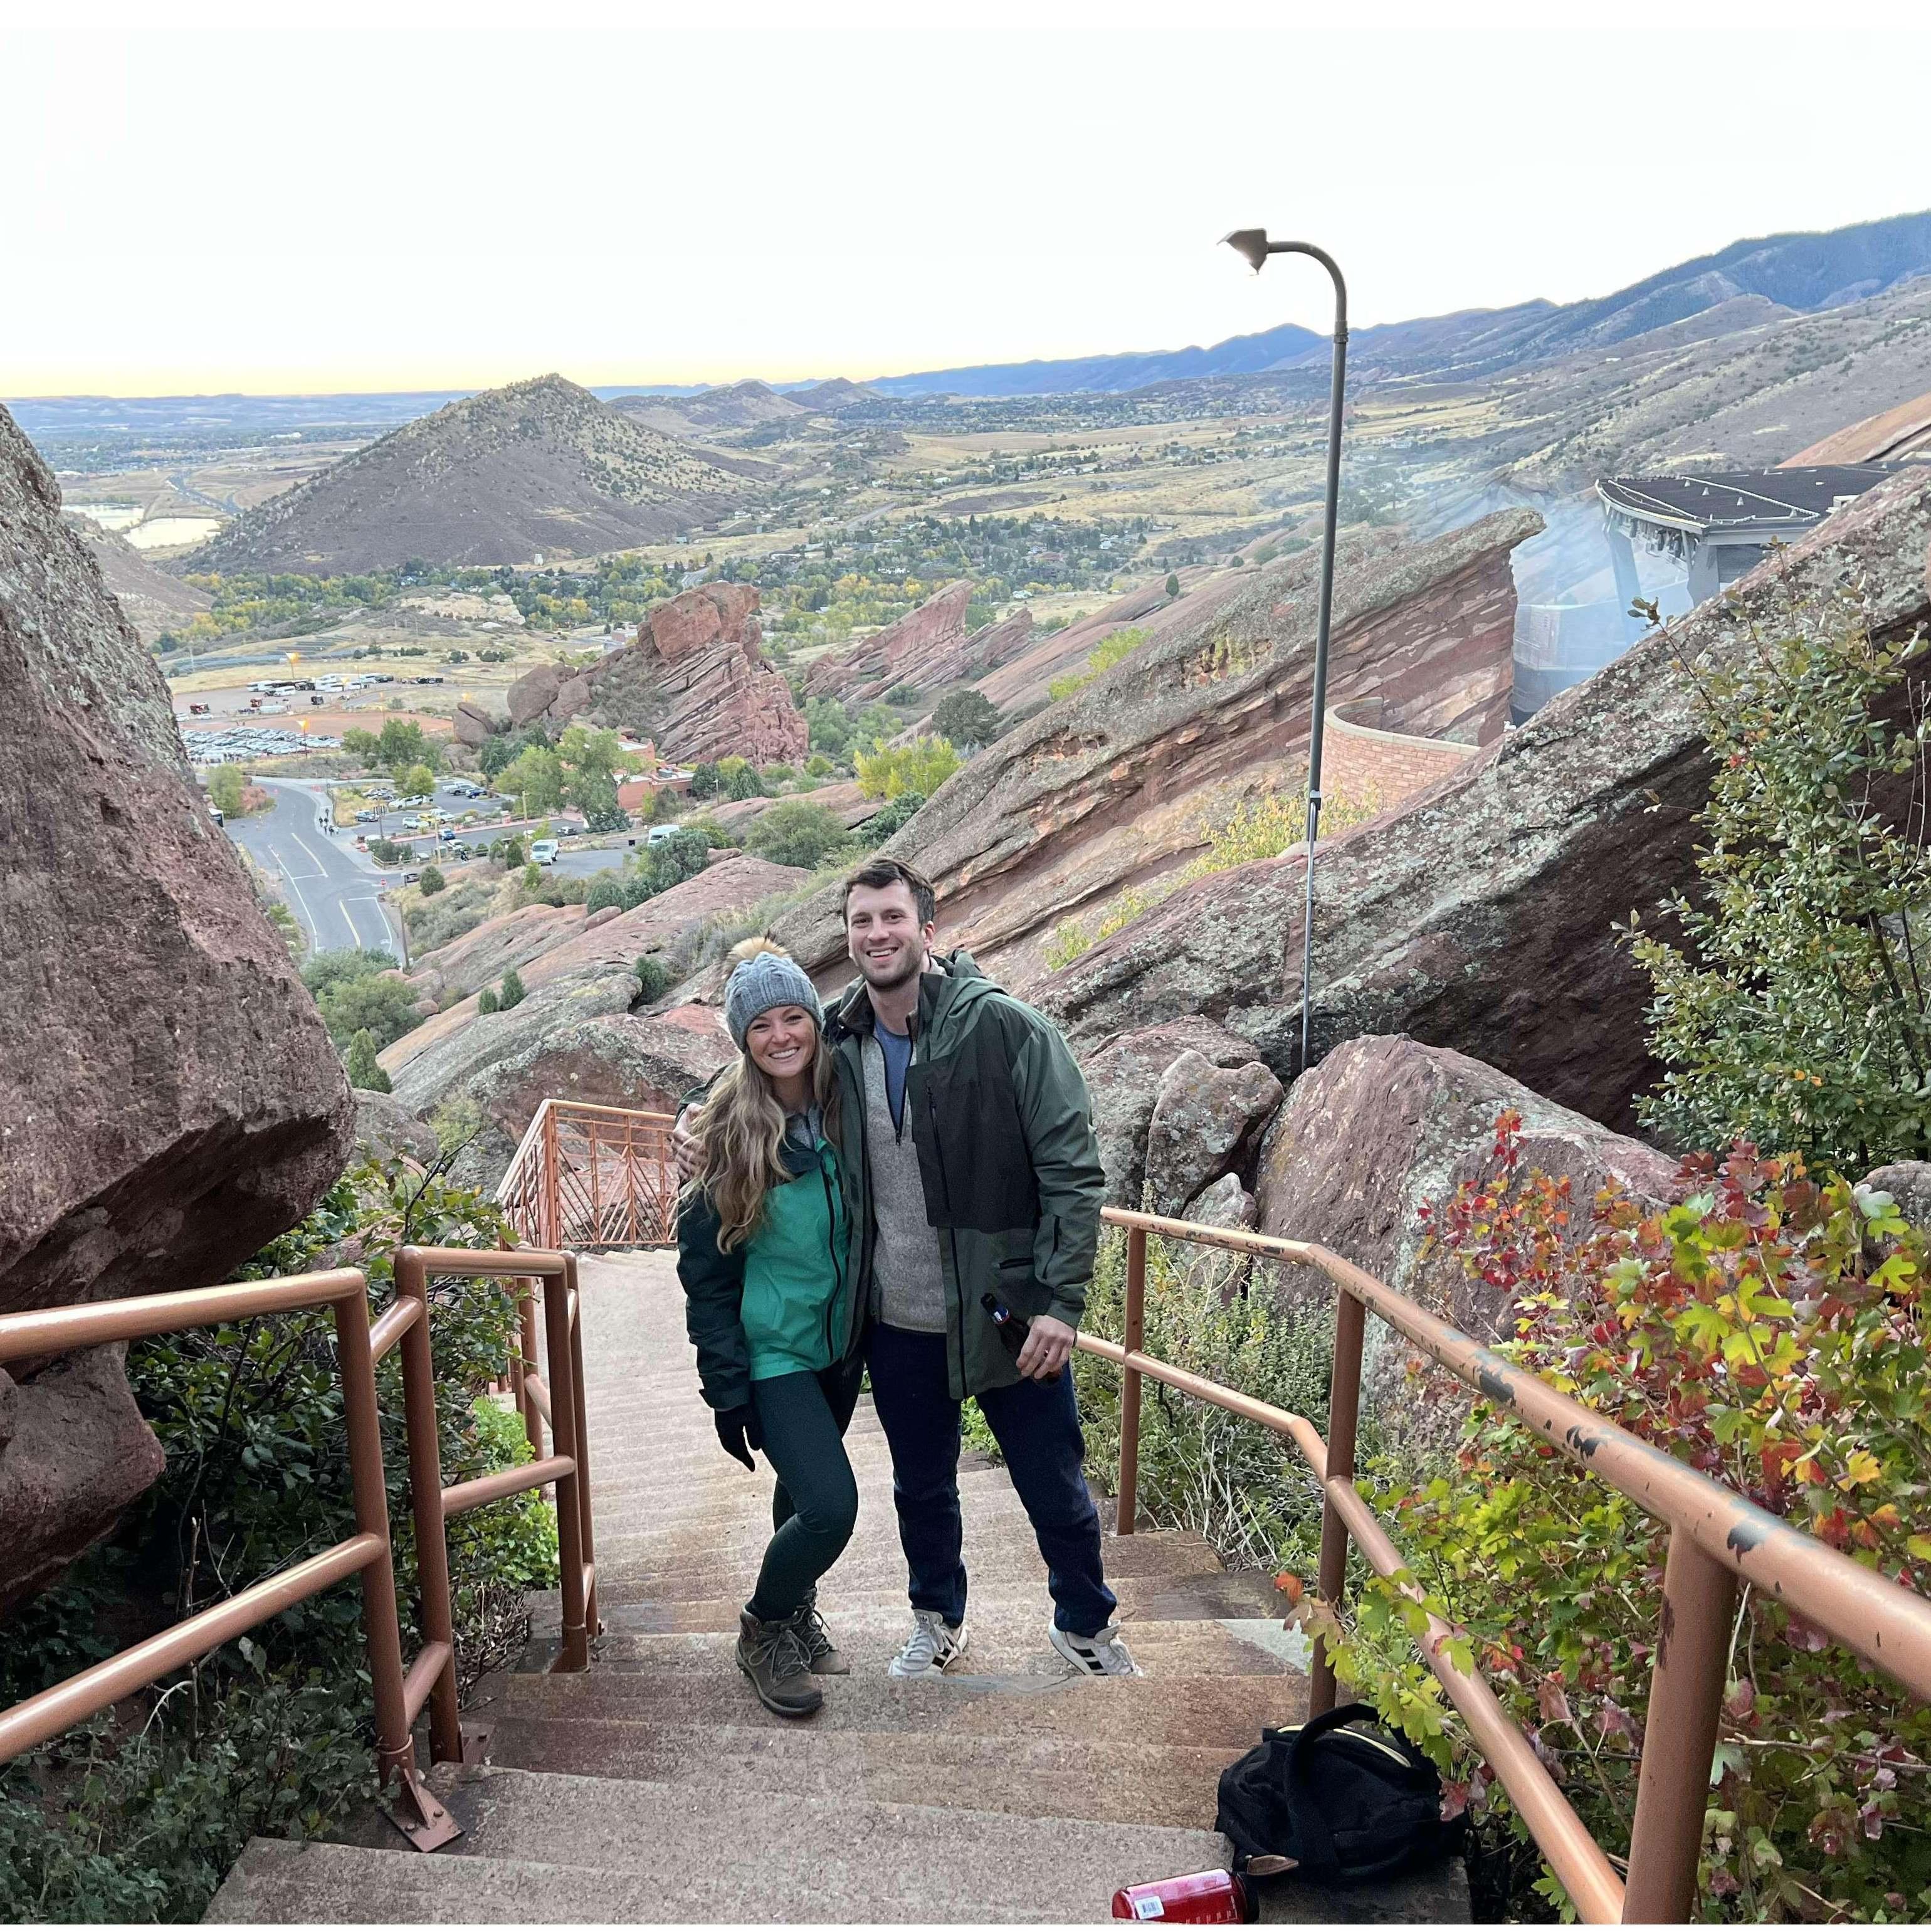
<point>577,1178</point>
<point>1716,1537</point>
<point>399,1695</point>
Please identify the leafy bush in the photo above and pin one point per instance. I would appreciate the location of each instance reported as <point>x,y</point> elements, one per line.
<point>1112,649</point>
<point>512,993</point>
<point>364,1069</point>
<point>431,882</point>
<point>1799,1017</point>
<point>388,852</point>
<point>796,833</point>
<point>1768,1329</point>
<point>487,1001</point>
<point>707,781</point>
<point>603,891</point>
<point>653,977</point>
<point>922,766</point>
<point>225,788</point>
<point>892,817</point>
<point>967,717</point>
<point>1229,1480</point>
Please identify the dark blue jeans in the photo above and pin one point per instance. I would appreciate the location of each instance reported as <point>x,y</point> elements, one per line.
<point>1037,1427</point>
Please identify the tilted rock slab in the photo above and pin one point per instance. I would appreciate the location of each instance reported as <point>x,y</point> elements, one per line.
<point>574,1038</point>
<point>694,681</point>
<point>1479,914</point>
<point>1385,1127</point>
<point>928,649</point>
<point>169,1099</point>
<point>1110,787</point>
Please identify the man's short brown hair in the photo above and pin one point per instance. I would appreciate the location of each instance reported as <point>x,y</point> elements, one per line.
<point>877,873</point>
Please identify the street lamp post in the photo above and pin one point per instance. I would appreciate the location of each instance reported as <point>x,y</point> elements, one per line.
<point>1252,244</point>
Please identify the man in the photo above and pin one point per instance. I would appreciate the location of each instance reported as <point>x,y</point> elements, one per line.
<point>966,1122</point>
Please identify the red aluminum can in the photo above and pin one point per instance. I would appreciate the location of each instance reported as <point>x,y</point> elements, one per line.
<point>1200,1898</point>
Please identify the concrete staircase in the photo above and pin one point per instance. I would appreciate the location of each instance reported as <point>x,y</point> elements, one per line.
<point>656,1787</point>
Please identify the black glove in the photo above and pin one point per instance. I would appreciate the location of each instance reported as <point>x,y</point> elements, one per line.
<point>738,1431</point>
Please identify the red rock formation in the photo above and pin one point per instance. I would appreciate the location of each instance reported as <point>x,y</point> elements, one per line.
<point>928,649</point>
<point>1480,915</point>
<point>1113,787</point>
<point>168,1099</point>
<point>694,681</point>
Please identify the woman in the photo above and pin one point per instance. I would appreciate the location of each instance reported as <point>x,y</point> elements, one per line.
<point>763,1242</point>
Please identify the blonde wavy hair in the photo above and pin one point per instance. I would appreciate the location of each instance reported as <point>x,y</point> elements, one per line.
<point>740,1126</point>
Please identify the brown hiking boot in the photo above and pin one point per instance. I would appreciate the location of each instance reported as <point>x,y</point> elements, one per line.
<point>821,1653</point>
<point>772,1656</point>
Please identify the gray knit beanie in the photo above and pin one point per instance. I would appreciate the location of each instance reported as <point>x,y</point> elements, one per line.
<point>767,975</point>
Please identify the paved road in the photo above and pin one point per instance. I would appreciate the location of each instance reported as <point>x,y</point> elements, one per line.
<point>334,890</point>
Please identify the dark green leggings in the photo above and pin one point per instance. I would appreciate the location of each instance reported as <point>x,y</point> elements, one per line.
<point>815,1505</point>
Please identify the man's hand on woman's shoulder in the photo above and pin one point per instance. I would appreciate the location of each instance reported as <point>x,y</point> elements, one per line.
<point>686,1149</point>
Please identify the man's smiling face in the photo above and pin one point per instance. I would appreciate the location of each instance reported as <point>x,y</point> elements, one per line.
<point>887,943</point>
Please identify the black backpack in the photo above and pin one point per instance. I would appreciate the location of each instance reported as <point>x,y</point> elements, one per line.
<point>1346,1805</point>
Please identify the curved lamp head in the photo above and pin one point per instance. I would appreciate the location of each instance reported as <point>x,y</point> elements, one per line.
<point>1251,244</point>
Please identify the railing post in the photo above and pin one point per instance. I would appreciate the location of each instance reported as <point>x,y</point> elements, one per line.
<point>552,1236</point>
<point>556,1299</point>
<point>1693,1650</point>
<point>596,1153</point>
<point>532,1418</point>
<point>586,1531</point>
<point>1344,1410</point>
<point>425,1489</point>
<point>1127,1513</point>
<point>395,1752</point>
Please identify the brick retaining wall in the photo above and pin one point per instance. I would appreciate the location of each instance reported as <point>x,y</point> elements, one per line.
<point>1358,756</point>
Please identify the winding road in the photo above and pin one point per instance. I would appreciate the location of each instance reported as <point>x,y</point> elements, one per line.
<point>332,889</point>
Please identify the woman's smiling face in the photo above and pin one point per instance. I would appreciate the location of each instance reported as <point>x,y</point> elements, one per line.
<point>782,1042</point>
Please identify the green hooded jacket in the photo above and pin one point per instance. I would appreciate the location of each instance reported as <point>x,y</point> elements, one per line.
<point>1007,1157</point>
<point>783,1301</point>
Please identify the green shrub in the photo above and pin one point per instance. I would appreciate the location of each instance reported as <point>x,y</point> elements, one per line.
<point>487,1001</point>
<point>603,891</point>
<point>431,882</point>
<point>364,1069</point>
<point>1798,1017</point>
<point>1768,1329</point>
<point>922,766</point>
<point>1229,1480</point>
<point>512,993</point>
<point>796,833</point>
<point>891,816</point>
<point>653,977</point>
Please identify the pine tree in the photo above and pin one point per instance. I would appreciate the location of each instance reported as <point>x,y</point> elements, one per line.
<point>511,994</point>
<point>365,1070</point>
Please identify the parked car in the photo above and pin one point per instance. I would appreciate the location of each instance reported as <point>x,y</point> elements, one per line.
<point>545,851</point>
<point>661,835</point>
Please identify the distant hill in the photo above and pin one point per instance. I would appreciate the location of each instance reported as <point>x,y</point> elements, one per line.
<point>827,399</point>
<point>1747,283</point>
<point>541,466</point>
<point>1110,375</point>
<point>154,600</point>
<point>741,405</point>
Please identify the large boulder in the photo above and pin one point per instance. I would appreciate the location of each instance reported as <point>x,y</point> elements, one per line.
<point>172,1101</point>
<point>1116,787</point>
<point>386,1130</point>
<point>1124,1076</point>
<point>1909,1183</point>
<point>574,1038</point>
<point>1203,1116</point>
<point>1385,1127</point>
<point>474,725</point>
<point>694,682</point>
<point>1479,915</point>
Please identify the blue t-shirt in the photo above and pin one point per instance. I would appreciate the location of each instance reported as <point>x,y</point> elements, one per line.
<point>896,1050</point>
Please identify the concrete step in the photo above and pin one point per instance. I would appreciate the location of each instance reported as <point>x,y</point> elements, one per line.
<point>1194,1711</point>
<point>791,1858</point>
<point>1003,1643</point>
<point>1120,1781</point>
<point>1207,1595</point>
<point>991,1558</point>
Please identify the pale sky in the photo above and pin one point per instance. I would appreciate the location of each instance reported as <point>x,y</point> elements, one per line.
<point>397,205</point>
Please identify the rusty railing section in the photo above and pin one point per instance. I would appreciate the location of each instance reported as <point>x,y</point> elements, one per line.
<point>1716,1537</point>
<point>592,1177</point>
<point>399,1694</point>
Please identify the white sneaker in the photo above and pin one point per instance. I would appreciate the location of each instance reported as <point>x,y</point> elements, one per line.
<point>1102,1655</point>
<point>933,1648</point>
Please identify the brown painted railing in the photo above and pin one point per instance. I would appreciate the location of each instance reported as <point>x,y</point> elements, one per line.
<point>399,1695</point>
<point>1716,1537</point>
<point>590,1177</point>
